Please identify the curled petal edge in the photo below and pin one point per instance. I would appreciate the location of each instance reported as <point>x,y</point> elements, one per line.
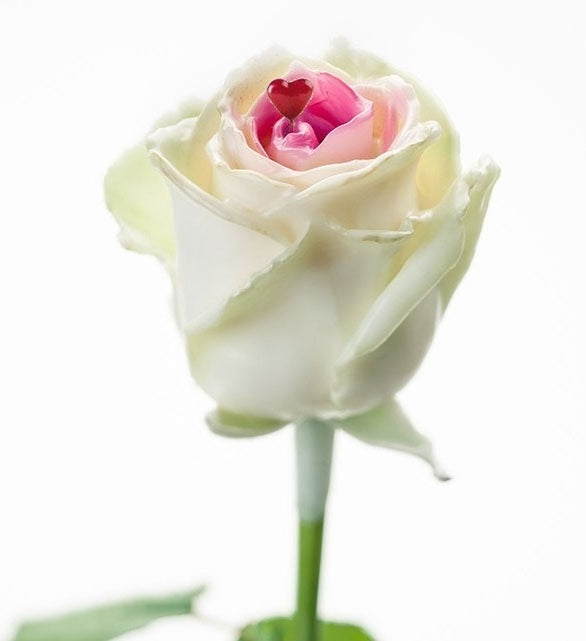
<point>420,137</point>
<point>480,180</point>
<point>441,242</point>
<point>193,191</point>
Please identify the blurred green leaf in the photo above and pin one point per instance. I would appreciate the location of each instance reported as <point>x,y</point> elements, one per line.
<point>282,629</point>
<point>107,621</point>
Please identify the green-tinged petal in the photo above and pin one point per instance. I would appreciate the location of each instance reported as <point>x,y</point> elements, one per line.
<point>230,424</point>
<point>188,109</point>
<point>480,181</point>
<point>139,199</point>
<point>283,629</point>
<point>108,621</point>
<point>360,65</point>
<point>440,163</point>
<point>388,426</point>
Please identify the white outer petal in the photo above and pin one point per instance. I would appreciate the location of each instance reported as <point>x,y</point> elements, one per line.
<point>215,258</point>
<point>219,247</point>
<point>366,381</point>
<point>395,334</point>
<point>439,250</point>
<point>481,180</point>
<point>272,350</point>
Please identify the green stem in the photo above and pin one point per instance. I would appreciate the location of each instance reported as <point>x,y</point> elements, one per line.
<point>310,547</point>
<point>314,441</point>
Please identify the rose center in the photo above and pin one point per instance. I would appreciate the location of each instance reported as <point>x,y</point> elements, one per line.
<point>290,98</point>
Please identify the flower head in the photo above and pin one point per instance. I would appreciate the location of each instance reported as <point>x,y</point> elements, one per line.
<point>315,232</point>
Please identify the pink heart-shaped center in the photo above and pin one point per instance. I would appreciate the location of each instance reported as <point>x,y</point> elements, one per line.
<point>290,98</point>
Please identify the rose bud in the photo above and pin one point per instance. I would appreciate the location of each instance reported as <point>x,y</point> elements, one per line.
<point>316,222</point>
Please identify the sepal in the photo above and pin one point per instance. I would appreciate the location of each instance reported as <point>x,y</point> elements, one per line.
<point>388,426</point>
<point>234,425</point>
<point>282,629</point>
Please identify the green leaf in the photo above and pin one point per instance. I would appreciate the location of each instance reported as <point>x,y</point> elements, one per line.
<point>282,629</point>
<point>107,621</point>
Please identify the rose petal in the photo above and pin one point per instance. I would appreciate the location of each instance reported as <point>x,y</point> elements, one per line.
<point>218,247</point>
<point>238,145</point>
<point>367,381</point>
<point>350,141</point>
<point>255,195</point>
<point>333,102</point>
<point>272,348</point>
<point>375,196</point>
<point>441,162</point>
<point>184,152</point>
<point>335,127</point>
<point>216,256</point>
<point>238,154</point>
<point>396,111</point>
<point>434,249</point>
<point>481,180</point>
<point>394,335</point>
<point>138,197</point>
<point>378,196</point>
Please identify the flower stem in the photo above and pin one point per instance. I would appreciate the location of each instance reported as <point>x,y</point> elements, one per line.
<point>314,443</point>
<point>310,546</point>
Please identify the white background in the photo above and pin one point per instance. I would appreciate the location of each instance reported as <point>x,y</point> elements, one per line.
<point>110,483</point>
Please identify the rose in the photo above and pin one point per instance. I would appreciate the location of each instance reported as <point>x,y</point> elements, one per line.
<point>312,256</point>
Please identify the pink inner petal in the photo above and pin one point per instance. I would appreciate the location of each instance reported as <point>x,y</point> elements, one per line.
<point>333,105</point>
<point>339,124</point>
<point>349,141</point>
<point>395,109</point>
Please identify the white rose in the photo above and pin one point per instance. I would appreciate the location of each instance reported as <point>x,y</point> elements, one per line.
<point>310,279</point>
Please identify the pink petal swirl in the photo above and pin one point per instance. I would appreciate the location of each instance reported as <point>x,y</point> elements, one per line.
<point>336,126</point>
